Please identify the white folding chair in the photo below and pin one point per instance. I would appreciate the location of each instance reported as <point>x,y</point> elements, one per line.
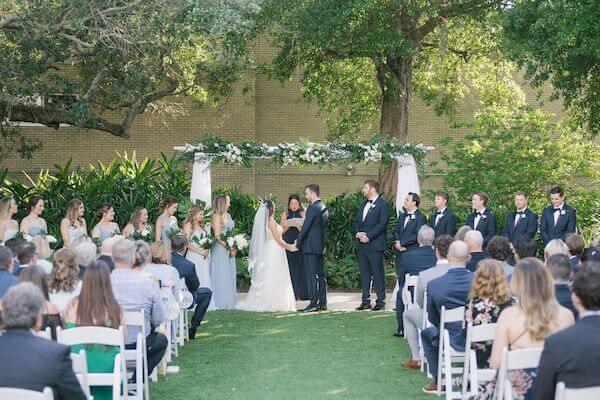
<point>138,356</point>
<point>408,299</point>
<point>103,336</point>
<point>424,324</point>
<point>23,394</point>
<point>513,360</point>
<point>471,374</point>
<point>447,355</point>
<point>46,333</point>
<point>588,393</point>
<point>80,368</point>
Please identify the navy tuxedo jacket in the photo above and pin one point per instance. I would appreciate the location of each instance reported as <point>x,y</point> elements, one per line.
<point>375,224</point>
<point>451,291</point>
<point>527,226</point>
<point>571,356</point>
<point>419,260</point>
<point>486,225</point>
<point>312,235</point>
<point>407,235</point>
<point>187,271</point>
<point>567,220</point>
<point>446,224</point>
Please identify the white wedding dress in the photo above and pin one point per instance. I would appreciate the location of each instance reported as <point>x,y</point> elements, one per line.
<point>271,288</point>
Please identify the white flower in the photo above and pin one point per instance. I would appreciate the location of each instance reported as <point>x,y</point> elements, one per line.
<point>145,232</point>
<point>51,239</point>
<point>230,241</point>
<point>27,237</point>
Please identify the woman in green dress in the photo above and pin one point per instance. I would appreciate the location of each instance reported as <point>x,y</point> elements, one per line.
<point>96,306</point>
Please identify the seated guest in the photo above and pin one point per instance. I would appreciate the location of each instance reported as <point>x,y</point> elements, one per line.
<point>85,253</point>
<point>106,252</point>
<point>443,221</point>
<point>489,296</point>
<point>555,246</point>
<point>187,270</point>
<point>451,291</point>
<point>413,317</point>
<point>160,265</point>
<point>576,246</point>
<point>26,256</point>
<point>535,316</point>
<point>474,240</point>
<point>560,269</point>
<point>590,254</point>
<point>64,283</point>
<point>499,249</point>
<point>50,316</point>
<point>43,253</point>
<point>7,279</point>
<point>461,232</point>
<point>524,247</point>
<point>28,361</point>
<point>135,292</point>
<point>13,244</point>
<point>413,262</point>
<point>86,310</point>
<point>572,356</point>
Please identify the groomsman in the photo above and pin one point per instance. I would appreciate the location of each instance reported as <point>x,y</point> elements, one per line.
<point>559,219</point>
<point>482,219</point>
<point>522,222</point>
<point>443,221</point>
<point>371,225</point>
<point>405,239</point>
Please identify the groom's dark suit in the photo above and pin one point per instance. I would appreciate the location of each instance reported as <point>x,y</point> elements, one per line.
<point>370,254</point>
<point>311,240</point>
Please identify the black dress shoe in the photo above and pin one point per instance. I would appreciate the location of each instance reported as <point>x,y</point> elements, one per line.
<point>309,309</point>
<point>399,333</point>
<point>321,308</point>
<point>379,307</point>
<point>364,307</point>
<point>192,333</point>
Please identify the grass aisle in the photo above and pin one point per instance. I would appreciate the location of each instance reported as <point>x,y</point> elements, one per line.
<point>332,355</point>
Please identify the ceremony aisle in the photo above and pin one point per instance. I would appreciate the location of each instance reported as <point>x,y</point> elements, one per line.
<point>330,355</point>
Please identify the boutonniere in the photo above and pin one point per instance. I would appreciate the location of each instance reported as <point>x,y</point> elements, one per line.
<point>563,212</point>
<point>412,216</point>
<point>522,216</point>
<point>483,216</point>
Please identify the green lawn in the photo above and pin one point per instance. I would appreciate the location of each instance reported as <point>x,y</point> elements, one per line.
<point>332,355</point>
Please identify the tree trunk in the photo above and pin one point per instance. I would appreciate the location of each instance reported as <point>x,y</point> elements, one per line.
<point>394,77</point>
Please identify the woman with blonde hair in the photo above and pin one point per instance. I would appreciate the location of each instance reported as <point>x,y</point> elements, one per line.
<point>555,246</point>
<point>64,283</point>
<point>535,316</point>
<point>106,227</point>
<point>222,261</point>
<point>489,296</point>
<point>138,222</point>
<point>160,266</point>
<point>43,252</point>
<point>166,221</point>
<point>8,226</point>
<point>73,225</point>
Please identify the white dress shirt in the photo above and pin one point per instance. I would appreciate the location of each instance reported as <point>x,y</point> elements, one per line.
<point>557,213</point>
<point>477,219</point>
<point>369,207</point>
<point>439,215</point>
<point>518,216</point>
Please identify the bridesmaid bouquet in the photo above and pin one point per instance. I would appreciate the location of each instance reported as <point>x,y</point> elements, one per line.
<point>204,241</point>
<point>146,235</point>
<point>237,241</point>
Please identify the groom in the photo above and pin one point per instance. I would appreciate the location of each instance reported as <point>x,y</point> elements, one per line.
<point>311,241</point>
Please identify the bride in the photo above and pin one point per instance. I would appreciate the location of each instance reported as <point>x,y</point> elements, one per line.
<point>271,288</point>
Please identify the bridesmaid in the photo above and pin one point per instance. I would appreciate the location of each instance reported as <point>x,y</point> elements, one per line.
<point>33,224</point>
<point>138,222</point>
<point>167,220</point>
<point>223,271</point>
<point>290,234</point>
<point>73,226</point>
<point>106,228</point>
<point>8,226</point>
<point>193,226</point>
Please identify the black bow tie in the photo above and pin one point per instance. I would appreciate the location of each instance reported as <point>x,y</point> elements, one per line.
<point>478,213</point>
<point>369,201</point>
<point>520,212</point>
<point>439,213</point>
<point>556,209</point>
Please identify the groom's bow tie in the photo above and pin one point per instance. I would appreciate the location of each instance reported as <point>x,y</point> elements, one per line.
<point>370,201</point>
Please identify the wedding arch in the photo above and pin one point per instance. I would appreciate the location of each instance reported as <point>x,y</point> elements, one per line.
<point>215,150</point>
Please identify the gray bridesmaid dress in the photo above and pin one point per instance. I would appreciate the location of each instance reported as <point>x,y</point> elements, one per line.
<point>223,273</point>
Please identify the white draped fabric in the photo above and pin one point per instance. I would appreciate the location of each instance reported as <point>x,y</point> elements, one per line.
<point>201,182</point>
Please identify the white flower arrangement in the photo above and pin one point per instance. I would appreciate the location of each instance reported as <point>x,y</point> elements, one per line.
<point>51,239</point>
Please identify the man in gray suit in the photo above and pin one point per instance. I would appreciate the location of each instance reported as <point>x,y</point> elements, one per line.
<point>414,316</point>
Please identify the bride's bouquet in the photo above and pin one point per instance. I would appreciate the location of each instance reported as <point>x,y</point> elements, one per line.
<point>203,240</point>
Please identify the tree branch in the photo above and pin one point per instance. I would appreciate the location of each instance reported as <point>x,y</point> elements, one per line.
<point>464,54</point>
<point>91,92</point>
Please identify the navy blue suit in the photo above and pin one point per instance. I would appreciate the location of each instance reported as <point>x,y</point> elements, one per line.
<point>571,356</point>
<point>202,295</point>
<point>574,261</point>
<point>563,296</point>
<point>6,281</point>
<point>486,225</point>
<point>446,224</point>
<point>527,225</point>
<point>476,256</point>
<point>451,291</point>
<point>567,221</point>
<point>370,254</point>
<point>311,240</point>
<point>33,363</point>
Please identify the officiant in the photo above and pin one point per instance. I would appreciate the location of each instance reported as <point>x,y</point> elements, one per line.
<point>371,225</point>
<point>291,221</point>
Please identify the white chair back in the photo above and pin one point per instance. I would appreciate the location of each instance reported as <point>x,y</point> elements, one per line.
<point>23,394</point>
<point>410,282</point>
<point>588,393</point>
<point>476,334</point>
<point>446,352</point>
<point>424,324</point>
<point>46,333</point>
<point>80,368</point>
<point>139,355</point>
<point>514,360</point>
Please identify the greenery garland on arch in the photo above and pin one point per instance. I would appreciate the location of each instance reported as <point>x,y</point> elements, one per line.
<point>302,152</point>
